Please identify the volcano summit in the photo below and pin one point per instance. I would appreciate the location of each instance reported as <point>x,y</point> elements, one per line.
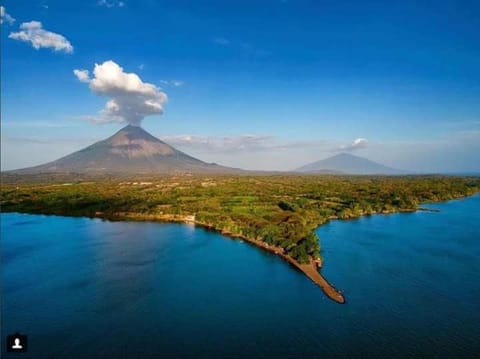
<point>131,150</point>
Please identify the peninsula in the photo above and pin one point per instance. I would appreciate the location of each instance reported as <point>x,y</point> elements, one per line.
<point>277,213</point>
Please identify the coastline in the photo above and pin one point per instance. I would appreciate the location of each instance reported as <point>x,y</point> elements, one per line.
<point>310,269</point>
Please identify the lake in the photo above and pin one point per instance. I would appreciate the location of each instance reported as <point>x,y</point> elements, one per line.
<point>89,288</point>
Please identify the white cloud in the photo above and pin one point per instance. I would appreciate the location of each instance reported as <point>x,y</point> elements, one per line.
<point>131,99</point>
<point>34,124</point>
<point>241,143</point>
<point>82,75</point>
<point>39,38</point>
<point>110,4</point>
<point>355,145</point>
<point>177,83</point>
<point>174,83</point>
<point>49,140</point>
<point>4,16</point>
<point>246,143</point>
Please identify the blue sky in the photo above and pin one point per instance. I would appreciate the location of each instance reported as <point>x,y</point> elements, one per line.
<point>253,84</point>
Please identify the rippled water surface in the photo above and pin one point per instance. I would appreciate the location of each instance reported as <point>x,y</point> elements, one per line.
<point>87,288</point>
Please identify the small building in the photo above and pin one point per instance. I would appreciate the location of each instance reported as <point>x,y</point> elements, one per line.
<point>190,219</point>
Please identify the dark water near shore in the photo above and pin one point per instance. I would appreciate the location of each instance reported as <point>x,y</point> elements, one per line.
<point>86,288</point>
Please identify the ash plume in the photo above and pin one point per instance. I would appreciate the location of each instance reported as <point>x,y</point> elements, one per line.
<point>130,99</point>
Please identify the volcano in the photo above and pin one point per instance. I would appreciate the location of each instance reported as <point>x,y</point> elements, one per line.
<point>131,150</point>
<point>345,163</point>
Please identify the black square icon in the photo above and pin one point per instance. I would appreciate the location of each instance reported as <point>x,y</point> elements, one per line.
<point>17,343</point>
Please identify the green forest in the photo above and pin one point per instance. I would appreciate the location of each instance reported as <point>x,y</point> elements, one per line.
<point>280,210</point>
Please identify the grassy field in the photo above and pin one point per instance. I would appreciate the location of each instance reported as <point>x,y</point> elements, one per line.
<point>280,210</point>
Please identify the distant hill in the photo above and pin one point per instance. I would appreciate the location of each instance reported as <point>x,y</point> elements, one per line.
<point>131,150</point>
<point>348,164</point>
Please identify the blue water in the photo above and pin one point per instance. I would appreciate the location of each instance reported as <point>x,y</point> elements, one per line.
<point>95,289</point>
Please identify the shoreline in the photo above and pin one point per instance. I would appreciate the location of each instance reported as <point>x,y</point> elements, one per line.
<point>309,269</point>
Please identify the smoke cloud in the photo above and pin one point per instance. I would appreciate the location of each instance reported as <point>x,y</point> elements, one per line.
<point>355,145</point>
<point>130,99</point>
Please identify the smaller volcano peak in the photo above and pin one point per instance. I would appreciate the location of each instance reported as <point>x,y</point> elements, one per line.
<point>344,155</point>
<point>349,164</point>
